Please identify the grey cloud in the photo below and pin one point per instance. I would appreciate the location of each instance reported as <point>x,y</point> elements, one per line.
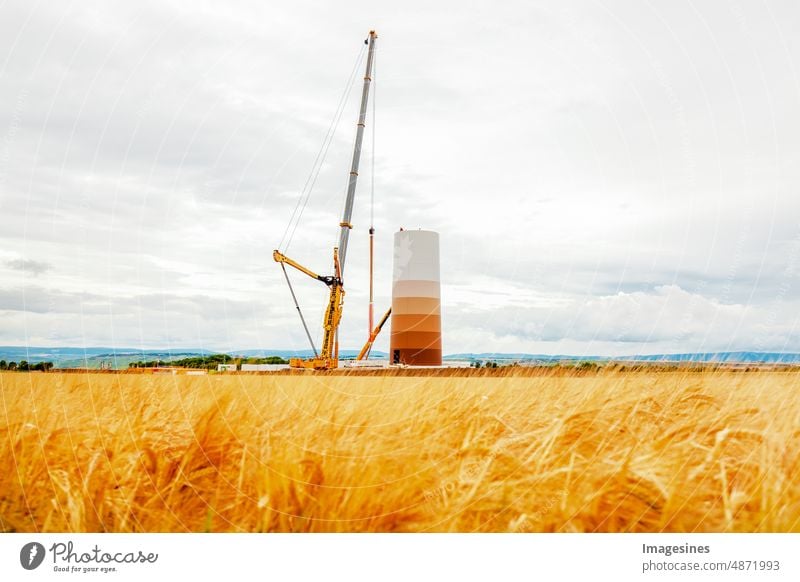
<point>41,300</point>
<point>41,316</point>
<point>29,266</point>
<point>56,302</point>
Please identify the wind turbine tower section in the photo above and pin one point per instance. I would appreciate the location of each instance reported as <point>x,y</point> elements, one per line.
<point>416,338</point>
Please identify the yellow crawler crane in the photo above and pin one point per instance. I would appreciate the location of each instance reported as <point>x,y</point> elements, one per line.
<point>328,357</point>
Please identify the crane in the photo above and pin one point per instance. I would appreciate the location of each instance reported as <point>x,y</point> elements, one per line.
<point>328,356</point>
<point>364,353</point>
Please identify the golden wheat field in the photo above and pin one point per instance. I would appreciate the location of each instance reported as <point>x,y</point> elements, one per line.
<point>607,451</point>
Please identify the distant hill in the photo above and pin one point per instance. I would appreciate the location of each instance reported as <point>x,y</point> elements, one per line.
<point>33,354</point>
<point>119,358</point>
<point>724,357</point>
<point>97,357</point>
<point>705,357</point>
<point>93,357</point>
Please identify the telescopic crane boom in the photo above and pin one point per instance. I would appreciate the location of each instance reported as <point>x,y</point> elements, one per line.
<point>328,358</point>
<point>364,353</point>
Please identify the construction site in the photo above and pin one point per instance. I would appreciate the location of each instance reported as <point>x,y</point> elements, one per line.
<point>415,313</point>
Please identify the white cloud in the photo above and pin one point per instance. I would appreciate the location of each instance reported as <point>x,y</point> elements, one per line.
<point>666,318</point>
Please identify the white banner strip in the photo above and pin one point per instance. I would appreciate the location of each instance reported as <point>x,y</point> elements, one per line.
<point>373,557</point>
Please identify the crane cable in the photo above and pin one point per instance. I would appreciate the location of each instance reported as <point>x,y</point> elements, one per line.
<point>371,314</point>
<point>311,180</point>
<point>372,175</point>
<point>305,193</point>
<point>297,305</point>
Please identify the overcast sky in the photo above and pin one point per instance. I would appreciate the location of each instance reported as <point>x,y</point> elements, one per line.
<point>607,177</point>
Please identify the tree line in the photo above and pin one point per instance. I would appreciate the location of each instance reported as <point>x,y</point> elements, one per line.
<point>207,362</point>
<point>25,366</point>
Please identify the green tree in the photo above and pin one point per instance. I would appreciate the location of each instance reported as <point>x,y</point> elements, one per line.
<point>3,365</point>
<point>12,365</point>
<point>23,366</point>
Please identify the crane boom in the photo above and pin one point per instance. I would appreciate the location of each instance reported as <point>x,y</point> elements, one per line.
<point>328,357</point>
<point>279,257</point>
<point>373,334</point>
<point>345,225</point>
